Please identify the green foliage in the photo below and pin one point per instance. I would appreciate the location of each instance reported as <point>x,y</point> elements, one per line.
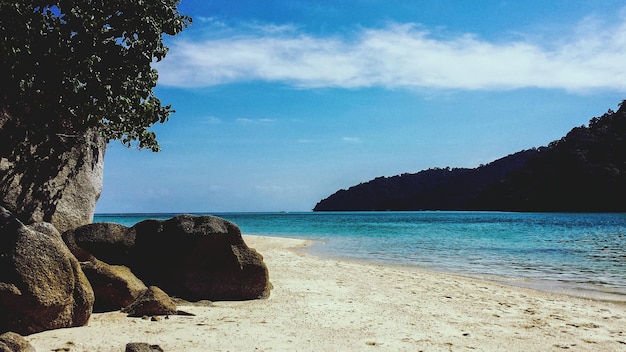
<point>69,66</point>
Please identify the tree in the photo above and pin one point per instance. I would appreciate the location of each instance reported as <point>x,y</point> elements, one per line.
<point>75,75</point>
<point>70,66</point>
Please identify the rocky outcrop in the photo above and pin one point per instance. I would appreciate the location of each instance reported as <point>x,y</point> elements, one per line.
<point>114,286</point>
<point>191,257</point>
<point>199,258</point>
<point>12,342</point>
<point>42,286</point>
<point>49,178</point>
<point>142,347</point>
<point>152,302</point>
<point>111,242</point>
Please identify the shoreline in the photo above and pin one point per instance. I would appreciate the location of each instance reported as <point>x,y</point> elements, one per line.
<point>568,288</point>
<point>327,304</point>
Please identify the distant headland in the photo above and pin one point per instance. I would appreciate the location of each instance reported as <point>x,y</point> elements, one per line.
<point>585,171</point>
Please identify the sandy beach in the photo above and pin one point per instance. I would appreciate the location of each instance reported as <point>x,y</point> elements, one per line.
<point>328,305</point>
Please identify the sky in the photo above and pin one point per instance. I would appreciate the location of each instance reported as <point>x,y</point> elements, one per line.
<point>281,103</point>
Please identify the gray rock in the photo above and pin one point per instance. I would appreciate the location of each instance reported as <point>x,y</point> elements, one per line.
<point>42,286</point>
<point>191,257</point>
<point>113,242</point>
<point>152,302</point>
<point>12,342</point>
<point>114,286</point>
<point>142,347</point>
<point>49,178</point>
<point>199,257</point>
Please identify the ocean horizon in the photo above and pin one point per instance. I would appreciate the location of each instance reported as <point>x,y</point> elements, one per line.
<point>570,253</point>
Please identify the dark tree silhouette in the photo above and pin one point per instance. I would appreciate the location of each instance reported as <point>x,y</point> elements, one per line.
<point>585,171</point>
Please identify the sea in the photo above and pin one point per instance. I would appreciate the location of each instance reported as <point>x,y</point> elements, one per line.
<point>570,253</point>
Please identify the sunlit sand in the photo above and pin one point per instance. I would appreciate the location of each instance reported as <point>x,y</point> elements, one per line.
<point>329,305</point>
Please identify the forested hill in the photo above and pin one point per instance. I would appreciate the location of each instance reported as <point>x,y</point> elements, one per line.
<point>585,171</point>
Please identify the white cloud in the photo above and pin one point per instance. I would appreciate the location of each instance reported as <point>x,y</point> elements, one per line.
<point>403,56</point>
<point>209,20</point>
<point>351,139</point>
<point>280,189</point>
<point>272,28</point>
<point>247,121</point>
<point>211,120</point>
<point>214,188</point>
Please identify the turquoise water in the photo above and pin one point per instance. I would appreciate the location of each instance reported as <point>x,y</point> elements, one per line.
<point>579,253</point>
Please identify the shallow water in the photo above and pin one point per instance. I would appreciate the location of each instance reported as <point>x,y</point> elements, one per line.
<point>583,254</point>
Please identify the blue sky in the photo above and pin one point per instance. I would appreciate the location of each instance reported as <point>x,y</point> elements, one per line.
<point>281,103</point>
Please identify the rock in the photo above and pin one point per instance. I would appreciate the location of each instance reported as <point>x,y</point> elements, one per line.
<point>12,342</point>
<point>199,257</point>
<point>191,257</point>
<point>114,286</point>
<point>55,178</point>
<point>111,243</point>
<point>152,302</point>
<point>42,286</point>
<point>142,347</point>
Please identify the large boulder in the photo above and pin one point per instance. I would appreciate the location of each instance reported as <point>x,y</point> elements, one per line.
<point>191,257</point>
<point>114,286</point>
<point>42,286</point>
<point>113,242</point>
<point>54,177</point>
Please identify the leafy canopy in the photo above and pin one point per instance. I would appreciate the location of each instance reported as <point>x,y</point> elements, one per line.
<point>70,66</point>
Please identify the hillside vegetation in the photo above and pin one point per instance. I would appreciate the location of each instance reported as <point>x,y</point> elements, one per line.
<point>585,171</point>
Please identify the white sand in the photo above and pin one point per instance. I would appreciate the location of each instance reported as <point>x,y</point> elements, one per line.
<point>328,305</point>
